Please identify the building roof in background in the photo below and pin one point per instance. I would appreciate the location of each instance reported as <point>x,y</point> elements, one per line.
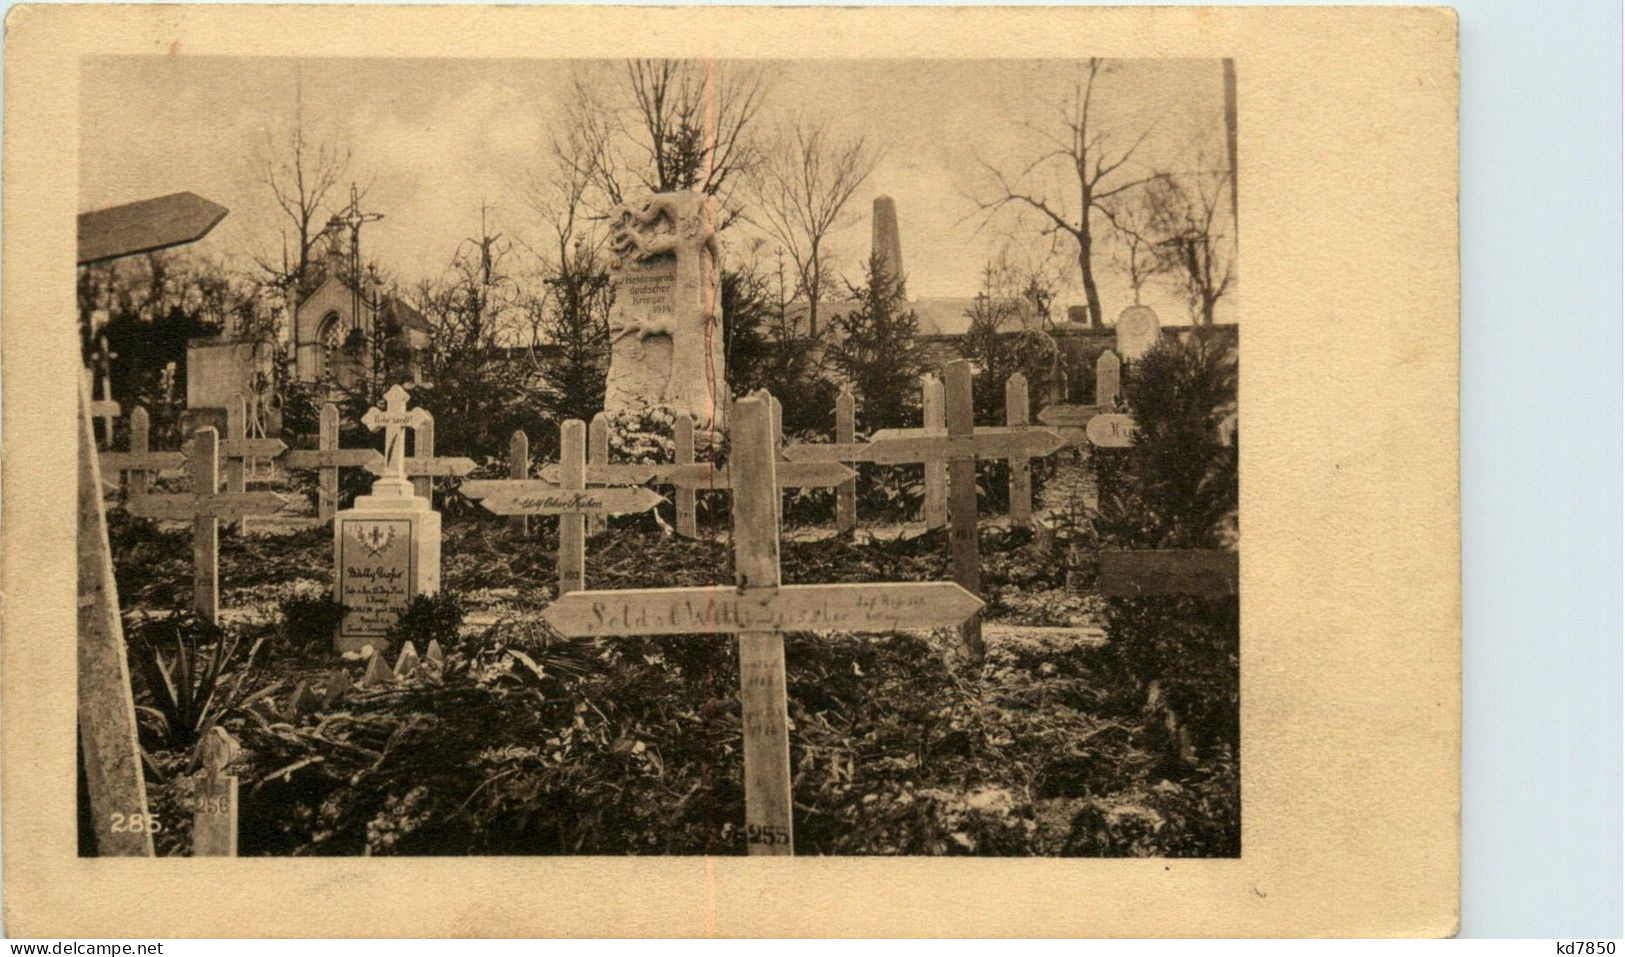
<point>393,307</point>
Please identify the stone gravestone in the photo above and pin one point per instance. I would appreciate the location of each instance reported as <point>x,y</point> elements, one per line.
<point>1137,332</point>
<point>666,323</point>
<point>386,549</point>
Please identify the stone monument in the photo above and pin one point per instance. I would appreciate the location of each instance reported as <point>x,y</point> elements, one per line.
<point>386,549</point>
<point>1137,332</point>
<point>666,323</point>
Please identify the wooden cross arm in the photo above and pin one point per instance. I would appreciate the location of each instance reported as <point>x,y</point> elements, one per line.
<point>827,452</point>
<point>1131,574</point>
<point>1023,442</point>
<point>183,506</point>
<point>606,473</point>
<point>1065,414</point>
<point>439,466</point>
<point>871,607</point>
<point>532,497</point>
<point>141,461</point>
<point>104,408</point>
<point>702,476</point>
<point>246,448</point>
<point>369,459</point>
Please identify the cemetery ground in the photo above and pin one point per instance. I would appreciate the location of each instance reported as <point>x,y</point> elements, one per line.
<point>1056,743</point>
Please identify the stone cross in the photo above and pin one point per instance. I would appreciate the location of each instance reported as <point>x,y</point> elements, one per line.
<point>759,610</point>
<point>393,419</point>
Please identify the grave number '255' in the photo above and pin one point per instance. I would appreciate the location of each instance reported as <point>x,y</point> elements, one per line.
<point>767,834</point>
<point>135,823</point>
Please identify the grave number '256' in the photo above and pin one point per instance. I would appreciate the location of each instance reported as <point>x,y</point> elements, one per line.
<point>767,834</point>
<point>135,823</point>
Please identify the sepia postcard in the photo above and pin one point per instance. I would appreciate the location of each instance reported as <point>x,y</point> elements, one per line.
<point>999,463</point>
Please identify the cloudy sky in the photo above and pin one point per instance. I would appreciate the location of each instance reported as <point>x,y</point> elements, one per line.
<point>437,138</point>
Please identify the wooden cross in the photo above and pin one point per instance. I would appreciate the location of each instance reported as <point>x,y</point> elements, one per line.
<point>1101,424</point>
<point>598,454</point>
<point>139,464</point>
<point>107,735</point>
<point>846,494</point>
<point>205,506</point>
<point>759,610</point>
<point>394,419</point>
<point>1021,469</point>
<point>238,448</point>
<point>569,498</point>
<point>327,458</point>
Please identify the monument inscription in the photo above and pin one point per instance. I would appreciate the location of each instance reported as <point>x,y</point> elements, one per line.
<point>375,574</point>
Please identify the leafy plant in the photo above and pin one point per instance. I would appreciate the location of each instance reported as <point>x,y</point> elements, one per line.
<point>434,617</point>
<point>308,621</point>
<point>192,672</point>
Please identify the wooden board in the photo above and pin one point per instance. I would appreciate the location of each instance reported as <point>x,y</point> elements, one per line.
<point>533,497</point>
<point>1130,574</point>
<point>714,609</point>
<point>107,735</point>
<point>370,459</point>
<point>609,473</point>
<point>1075,416</point>
<point>1112,430</point>
<point>115,462</point>
<point>826,452</point>
<point>1027,443</point>
<point>703,476</point>
<point>145,226</point>
<point>184,506</point>
<point>439,466</point>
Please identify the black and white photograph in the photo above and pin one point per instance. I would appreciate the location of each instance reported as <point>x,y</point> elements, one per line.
<point>659,457</point>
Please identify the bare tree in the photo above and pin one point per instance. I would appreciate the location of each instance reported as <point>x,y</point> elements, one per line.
<point>663,125</point>
<point>1079,151</point>
<point>1135,219</point>
<point>800,190</point>
<point>300,172</point>
<point>1193,248</point>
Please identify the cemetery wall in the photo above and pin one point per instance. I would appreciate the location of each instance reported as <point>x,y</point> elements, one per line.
<point>1082,346</point>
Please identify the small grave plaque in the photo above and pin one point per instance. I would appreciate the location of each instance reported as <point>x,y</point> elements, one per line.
<point>375,575</point>
<point>1137,332</point>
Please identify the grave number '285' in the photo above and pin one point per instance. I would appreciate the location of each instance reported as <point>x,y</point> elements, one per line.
<point>135,823</point>
<point>760,834</point>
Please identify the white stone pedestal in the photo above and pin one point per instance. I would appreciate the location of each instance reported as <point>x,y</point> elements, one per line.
<point>386,551</point>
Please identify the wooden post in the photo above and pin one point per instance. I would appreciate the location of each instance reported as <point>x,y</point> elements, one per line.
<point>967,563</point>
<point>763,703</point>
<point>423,448</point>
<point>107,737</point>
<point>935,510</point>
<point>1108,374</point>
<point>598,454</point>
<point>776,414</point>
<point>846,494</point>
<point>327,495</point>
<point>1021,471</point>
<point>519,468</point>
<point>204,462</point>
<point>683,438</point>
<point>140,437</point>
<point>237,436</point>
<point>1058,388</point>
<point>214,823</point>
<point>572,526</point>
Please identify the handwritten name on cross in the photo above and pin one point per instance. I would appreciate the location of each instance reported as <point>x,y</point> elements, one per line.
<point>759,610</point>
<point>392,419</point>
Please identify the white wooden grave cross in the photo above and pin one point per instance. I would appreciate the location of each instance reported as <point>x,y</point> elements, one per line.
<point>205,506</point>
<point>140,465</point>
<point>569,498</point>
<point>960,447</point>
<point>106,408</point>
<point>327,458</point>
<point>237,449</point>
<point>759,610</point>
<point>1101,424</point>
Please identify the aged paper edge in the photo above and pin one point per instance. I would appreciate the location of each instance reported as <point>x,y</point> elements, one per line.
<point>1350,503</point>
